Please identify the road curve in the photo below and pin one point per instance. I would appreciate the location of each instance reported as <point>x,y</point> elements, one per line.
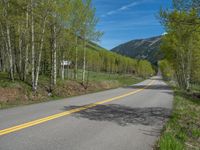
<point>128,118</point>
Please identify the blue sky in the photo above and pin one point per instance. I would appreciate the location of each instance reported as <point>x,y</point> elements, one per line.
<point>125,20</point>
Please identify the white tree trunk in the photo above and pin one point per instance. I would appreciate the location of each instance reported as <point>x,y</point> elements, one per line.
<point>10,52</point>
<point>40,54</point>
<point>84,63</point>
<point>62,69</point>
<point>27,45</point>
<point>54,57</point>
<point>189,66</point>
<point>32,49</point>
<point>76,60</point>
<point>4,47</point>
<point>8,41</point>
<point>53,51</point>
<point>20,53</point>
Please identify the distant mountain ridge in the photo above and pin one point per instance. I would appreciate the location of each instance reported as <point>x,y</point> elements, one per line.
<point>142,49</point>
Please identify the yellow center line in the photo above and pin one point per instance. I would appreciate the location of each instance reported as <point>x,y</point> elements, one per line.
<point>66,113</point>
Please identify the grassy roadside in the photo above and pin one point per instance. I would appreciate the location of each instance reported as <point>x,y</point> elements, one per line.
<point>19,93</point>
<point>182,131</point>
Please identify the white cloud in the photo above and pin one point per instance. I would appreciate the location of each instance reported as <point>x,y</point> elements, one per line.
<point>129,5</point>
<point>111,12</point>
<point>122,8</point>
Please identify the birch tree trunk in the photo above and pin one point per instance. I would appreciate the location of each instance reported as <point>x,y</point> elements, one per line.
<point>189,66</point>
<point>32,49</point>
<point>62,67</point>
<point>53,57</point>
<point>76,60</point>
<point>3,48</point>
<point>40,53</point>
<point>25,71</point>
<point>10,52</point>
<point>8,41</point>
<point>84,62</point>
<point>20,53</point>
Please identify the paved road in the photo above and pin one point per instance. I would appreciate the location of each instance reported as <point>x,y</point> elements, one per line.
<point>128,118</point>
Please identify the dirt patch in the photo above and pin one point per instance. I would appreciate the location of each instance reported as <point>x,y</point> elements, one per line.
<point>72,88</point>
<point>103,85</point>
<point>12,94</point>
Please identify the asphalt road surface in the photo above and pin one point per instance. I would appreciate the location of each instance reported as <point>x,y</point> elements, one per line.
<point>128,118</point>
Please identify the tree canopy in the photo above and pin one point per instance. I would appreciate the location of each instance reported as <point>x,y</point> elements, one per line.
<point>37,36</point>
<point>182,42</point>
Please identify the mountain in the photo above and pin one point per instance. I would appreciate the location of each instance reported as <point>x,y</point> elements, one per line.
<point>142,49</point>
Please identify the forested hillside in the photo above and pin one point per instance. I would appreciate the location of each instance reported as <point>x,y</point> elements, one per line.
<point>48,40</point>
<point>142,49</point>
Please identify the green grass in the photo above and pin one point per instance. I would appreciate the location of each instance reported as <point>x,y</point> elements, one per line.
<point>182,131</point>
<point>123,80</point>
<point>22,92</point>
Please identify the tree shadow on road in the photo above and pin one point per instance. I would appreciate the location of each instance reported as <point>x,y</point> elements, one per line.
<point>123,115</point>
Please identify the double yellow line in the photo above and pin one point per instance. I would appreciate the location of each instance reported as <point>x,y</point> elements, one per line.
<point>66,113</point>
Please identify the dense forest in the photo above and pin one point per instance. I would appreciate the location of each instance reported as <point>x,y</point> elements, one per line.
<point>38,36</point>
<point>181,44</point>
